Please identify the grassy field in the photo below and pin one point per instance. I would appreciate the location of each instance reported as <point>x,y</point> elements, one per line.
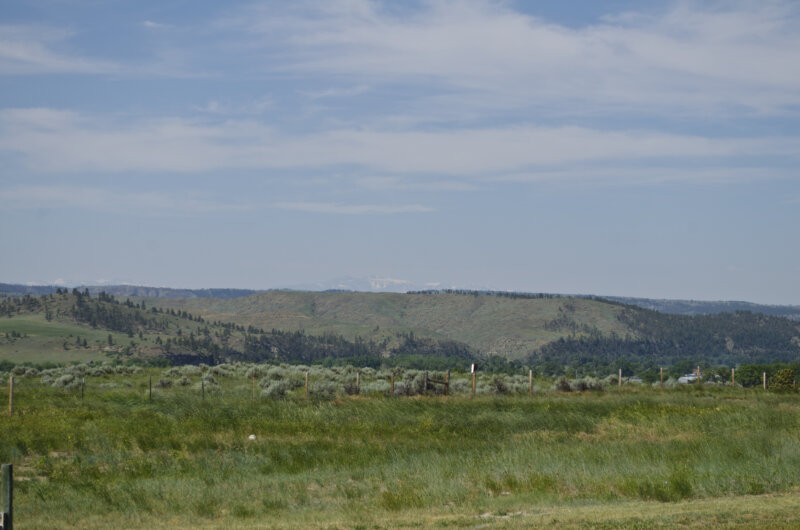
<point>44,341</point>
<point>640,458</point>
<point>502,326</point>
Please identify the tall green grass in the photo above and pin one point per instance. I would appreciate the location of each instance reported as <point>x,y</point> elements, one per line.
<point>116,454</point>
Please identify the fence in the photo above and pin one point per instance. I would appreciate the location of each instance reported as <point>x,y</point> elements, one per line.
<point>6,497</point>
<point>345,380</point>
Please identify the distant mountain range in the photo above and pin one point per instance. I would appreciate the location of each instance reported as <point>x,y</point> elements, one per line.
<point>696,307</point>
<point>377,284</point>
<point>129,290</point>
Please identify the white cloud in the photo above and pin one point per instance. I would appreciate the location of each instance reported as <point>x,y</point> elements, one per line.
<point>351,209</point>
<point>694,55</point>
<point>398,184</point>
<point>253,107</point>
<point>337,92</point>
<point>149,24</point>
<point>97,199</point>
<point>648,174</point>
<point>67,142</point>
<point>36,50</point>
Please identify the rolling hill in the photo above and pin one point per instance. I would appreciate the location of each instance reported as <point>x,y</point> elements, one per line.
<point>420,329</point>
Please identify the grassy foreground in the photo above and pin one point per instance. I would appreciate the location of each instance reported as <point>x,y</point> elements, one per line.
<point>639,458</point>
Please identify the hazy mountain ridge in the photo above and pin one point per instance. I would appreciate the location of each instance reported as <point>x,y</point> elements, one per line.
<point>700,307</point>
<point>141,291</point>
<point>390,285</point>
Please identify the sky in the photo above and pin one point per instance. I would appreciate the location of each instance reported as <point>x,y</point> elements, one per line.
<point>616,147</point>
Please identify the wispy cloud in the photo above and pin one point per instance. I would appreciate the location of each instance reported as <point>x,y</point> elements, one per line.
<point>647,174</point>
<point>352,209</point>
<point>53,140</point>
<point>149,24</point>
<point>26,49</point>
<point>103,200</point>
<point>337,92</point>
<point>39,49</point>
<point>693,55</point>
<point>400,184</point>
<point>253,107</point>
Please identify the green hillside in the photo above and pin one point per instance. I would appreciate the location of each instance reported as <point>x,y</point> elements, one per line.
<point>534,329</point>
<point>75,326</point>
<point>424,330</point>
<point>511,327</point>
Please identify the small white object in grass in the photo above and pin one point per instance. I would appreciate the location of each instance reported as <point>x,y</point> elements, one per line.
<point>251,437</point>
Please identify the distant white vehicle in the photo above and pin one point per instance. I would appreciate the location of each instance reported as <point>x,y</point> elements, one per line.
<point>688,378</point>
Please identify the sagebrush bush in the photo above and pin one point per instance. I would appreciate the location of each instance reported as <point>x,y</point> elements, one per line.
<point>783,380</point>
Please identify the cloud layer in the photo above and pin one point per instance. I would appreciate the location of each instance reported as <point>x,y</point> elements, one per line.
<point>50,140</point>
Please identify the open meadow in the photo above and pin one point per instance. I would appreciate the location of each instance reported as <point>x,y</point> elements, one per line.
<point>107,454</point>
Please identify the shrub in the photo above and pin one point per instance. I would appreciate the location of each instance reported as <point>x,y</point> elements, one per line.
<point>498,385</point>
<point>562,385</point>
<point>587,383</point>
<point>66,381</point>
<point>783,380</point>
<point>324,390</point>
<point>276,389</point>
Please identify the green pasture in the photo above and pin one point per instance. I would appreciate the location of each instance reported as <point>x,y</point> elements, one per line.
<point>43,340</point>
<point>639,458</point>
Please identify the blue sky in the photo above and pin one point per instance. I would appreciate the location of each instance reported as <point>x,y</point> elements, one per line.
<point>607,147</point>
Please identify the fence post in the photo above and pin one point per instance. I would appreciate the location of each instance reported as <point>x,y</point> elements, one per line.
<point>661,372</point>
<point>11,395</point>
<point>7,496</point>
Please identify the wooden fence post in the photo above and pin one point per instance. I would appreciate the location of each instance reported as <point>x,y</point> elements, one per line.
<point>447,383</point>
<point>661,372</point>
<point>11,395</point>
<point>7,497</point>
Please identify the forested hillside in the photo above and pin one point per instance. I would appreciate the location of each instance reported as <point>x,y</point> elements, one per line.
<point>52,327</point>
<point>424,330</point>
